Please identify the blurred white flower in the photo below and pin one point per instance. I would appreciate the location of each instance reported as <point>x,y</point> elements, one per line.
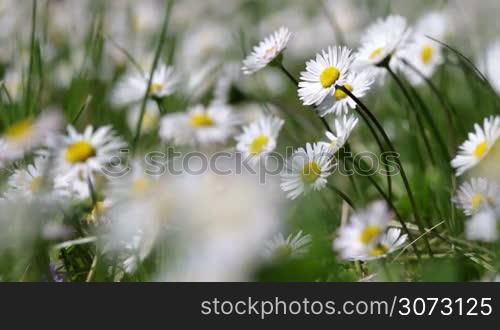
<point>293,246</point>
<point>151,118</point>
<point>491,64</point>
<point>306,170</point>
<point>380,44</point>
<point>343,129</point>
<point>260,137</point>
<point>24,135</point>
<point>133,86</point>
<point>221,237</point>
<point>476,194</point>
<point>423,53</point>
<point>483,226</point>
<point>329,69</point>
<point>478,145</point>
<point>339,102</point>
<point>364,235</point>
<point>199,125</point>
<point>266,51</point>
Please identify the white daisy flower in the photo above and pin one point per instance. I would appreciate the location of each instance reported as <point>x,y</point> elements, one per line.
<point>322,74</point>
<point>80,155</point>
<point>260,137</point>
<point>27,134</point>
<point>478,145</point>
<point>151,118</point>
<point>343,129</point>
<point>30,182</point>
<point>363,232</point>
<point>491,64</point>
<point>133,86</point>
<point>476,194</point>
<point>389,242</point>
<point>423,53</point>
<point>380,43</point>
<point>339,102</point>
<point>483,226</point>
<point>293,246</point>
<point>306,170</point>
<point>200,125</point>
<point>266,51</point>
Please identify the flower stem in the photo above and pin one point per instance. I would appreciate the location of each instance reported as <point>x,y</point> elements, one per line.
<point>398,161</point>
<point>288,74</point>
<point>151,74</point>
<point>414,109</point>
<point>342,195</point>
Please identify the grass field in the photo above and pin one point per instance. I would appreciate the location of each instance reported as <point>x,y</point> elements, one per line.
<point>186,140</point>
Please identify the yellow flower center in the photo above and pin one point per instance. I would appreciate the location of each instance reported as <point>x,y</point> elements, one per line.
<point>96,212</point>
<point>426,54</point>
<point>79,152</point>
<point>310,172</point>
<point>481,149</point>
<point>378,250</point>
<point>339,95</point>
<point>369,234</point>
<point>149,121</point>
<point>139,185</point>
<point>202,120</point>
<point>19,130</point>
<point>258,144</point>
<point>155,88</point>
<point>283,251</point>
<point>36,184</point>
<point>329,76</point>
<point>376,53</point>
<point>476,200</point>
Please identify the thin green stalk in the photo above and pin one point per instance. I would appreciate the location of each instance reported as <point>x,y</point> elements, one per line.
<point>382,150</point>
<point>288,74</point>
<point>341,195</point>
<point>32,55</point>
<point>398,161</point>
<point>407,95</point>
<point>449,110</point>
<point>168,10</point>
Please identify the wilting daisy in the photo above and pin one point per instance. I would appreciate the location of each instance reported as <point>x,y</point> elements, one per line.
<point>133,86</point>
<point>322,74</point>
<point>363,232</point>
<point>476,194</point>
<point>24,135</point>
<point>199,125</point>
<point>483,226</point>
<point>479,143</point>
<point>260,137</point>
<point>339,102</point>
<point>266,51</point>
<point>423,53</point>
<point>151,118</point>
<point>292,246</point>
<point>343,129</point>
<point>306,170</point>
<point>491,64</point>
<point>380,44</point>
<point>80,155</point>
